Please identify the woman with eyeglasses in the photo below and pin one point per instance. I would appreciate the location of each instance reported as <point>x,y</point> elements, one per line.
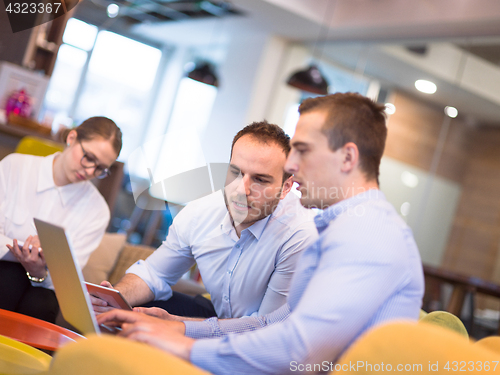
<point>55,188</point>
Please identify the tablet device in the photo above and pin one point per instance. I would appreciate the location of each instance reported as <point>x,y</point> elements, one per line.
<point>111,296</point>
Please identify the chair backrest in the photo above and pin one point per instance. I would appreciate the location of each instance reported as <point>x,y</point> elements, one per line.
<point>406,347</point>
<point>38,146</point>
<point>445,320</point>
<point>19,358</point>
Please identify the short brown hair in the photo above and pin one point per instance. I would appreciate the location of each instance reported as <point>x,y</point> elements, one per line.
<point>98,127</point>
<point>353,118</point>
<point>265,132</point>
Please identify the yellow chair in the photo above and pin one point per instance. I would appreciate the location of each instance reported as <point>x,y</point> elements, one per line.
<point>38,146</point>
<point>115,355</point>
<point>491,343</point>
<point>18,359</point>
<point>414,348</point>
<point>446,320</point>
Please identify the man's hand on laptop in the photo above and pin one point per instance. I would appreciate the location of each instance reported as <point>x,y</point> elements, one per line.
<point>100,305</point>
<point>168,336</point>
<point>159,313</point>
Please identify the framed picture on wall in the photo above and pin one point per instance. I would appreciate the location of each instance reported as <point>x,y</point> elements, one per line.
<point>14,78</point>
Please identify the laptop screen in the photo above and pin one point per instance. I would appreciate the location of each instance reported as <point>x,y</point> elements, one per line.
<point>66,275</point>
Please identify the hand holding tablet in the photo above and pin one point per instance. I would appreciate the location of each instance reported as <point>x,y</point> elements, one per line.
<point>112,296</point>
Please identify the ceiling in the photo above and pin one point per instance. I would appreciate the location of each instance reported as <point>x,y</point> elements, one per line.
<point>372,33</point>
<point>488,52</point>
<point>154,11</point>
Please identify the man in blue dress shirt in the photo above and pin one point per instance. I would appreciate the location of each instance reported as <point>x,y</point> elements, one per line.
<point>246,240</point>
<point>364,269</point>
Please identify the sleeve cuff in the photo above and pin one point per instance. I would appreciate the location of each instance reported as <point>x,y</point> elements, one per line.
<point>198,330</point>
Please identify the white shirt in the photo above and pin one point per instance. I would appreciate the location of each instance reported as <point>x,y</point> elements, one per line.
<point>27,190</point>
<point>245,276</point>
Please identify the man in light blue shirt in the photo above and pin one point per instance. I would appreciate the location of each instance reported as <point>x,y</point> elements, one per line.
<point>245,241</point>
<point>364,269</point>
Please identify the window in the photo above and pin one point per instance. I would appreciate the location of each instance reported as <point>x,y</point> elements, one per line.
<point>117,85</point>
<point>78,39</point>
<point>100,73</point>
<point>191,112</point>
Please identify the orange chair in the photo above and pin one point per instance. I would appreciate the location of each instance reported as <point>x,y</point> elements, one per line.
<point>35,332</point>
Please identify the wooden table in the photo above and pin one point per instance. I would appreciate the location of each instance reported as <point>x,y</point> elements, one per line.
<point>462,285</point>
<point>35,332</point>
<point>19,132</point>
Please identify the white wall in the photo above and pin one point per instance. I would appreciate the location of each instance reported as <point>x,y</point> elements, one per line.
<point>435,214</point>
<point>238,93</point>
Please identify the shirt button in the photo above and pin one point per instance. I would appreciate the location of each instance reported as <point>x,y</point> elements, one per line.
<point>237,246</point>
<point>226,298</point>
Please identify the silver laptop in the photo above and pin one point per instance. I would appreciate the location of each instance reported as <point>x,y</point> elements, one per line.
<point>66,274</point>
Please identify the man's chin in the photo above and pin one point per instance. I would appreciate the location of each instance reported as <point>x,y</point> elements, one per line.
<point>252,215</point>
<point>309,203</point>
<point>238,216</point>
<point>245,219</point>
<point>305,201</point>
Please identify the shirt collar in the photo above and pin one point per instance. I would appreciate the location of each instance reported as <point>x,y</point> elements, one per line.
<point>256,228</point>
<point>227,223</point>
<point>323,219</point>
<point>46,180</point>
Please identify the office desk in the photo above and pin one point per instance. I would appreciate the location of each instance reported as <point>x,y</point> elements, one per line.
<point>35,332</point>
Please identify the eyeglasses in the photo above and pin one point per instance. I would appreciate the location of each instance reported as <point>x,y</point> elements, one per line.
<point>88,161</point>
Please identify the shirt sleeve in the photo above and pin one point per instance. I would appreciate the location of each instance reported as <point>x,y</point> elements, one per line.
<point>214,327</point>
<point>6,165</point>
<point>279,283</point>
<point>170,261</point>
<point>338,303</point>
<point>4,240</point>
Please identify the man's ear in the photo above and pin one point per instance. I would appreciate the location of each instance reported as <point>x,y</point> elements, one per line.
<point>287,186</point>
<point>350,155</point>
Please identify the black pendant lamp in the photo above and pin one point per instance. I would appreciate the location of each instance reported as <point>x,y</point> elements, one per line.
<point>204,72</point>
<point>311,79</point>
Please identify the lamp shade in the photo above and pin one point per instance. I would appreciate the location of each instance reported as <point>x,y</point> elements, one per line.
<point>204,73</point>
<point>310,80</point>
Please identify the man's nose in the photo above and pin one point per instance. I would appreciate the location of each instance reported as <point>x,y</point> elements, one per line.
<point>243,187</point>
<point>290,164</point>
